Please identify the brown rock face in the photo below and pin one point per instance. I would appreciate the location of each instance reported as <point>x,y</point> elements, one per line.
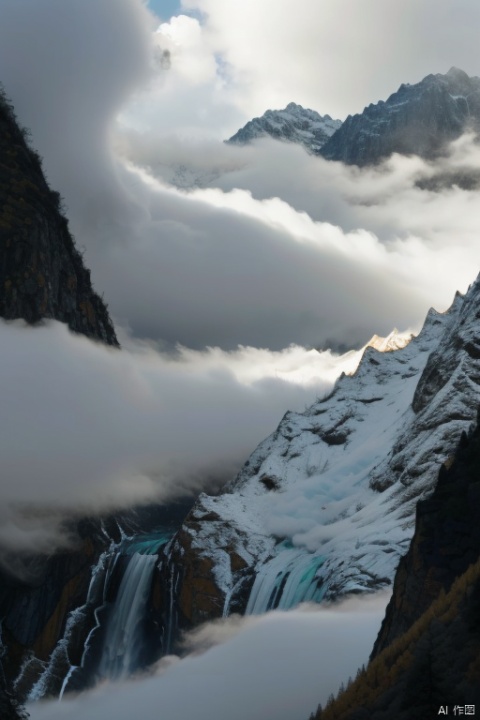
<point>42,274</point>
<point>189,590</point>
<point>200,599</point>
<point>34,613</point>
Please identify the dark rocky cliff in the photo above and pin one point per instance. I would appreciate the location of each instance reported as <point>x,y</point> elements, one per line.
<point>418,119</point>
<point>9,708</point>
<point>42,274</point>
<point>445,544</point>
<point>34,609</point>
<point>427,653</point>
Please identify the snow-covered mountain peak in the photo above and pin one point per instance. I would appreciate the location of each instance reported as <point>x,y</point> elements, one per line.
<point>330,496</point>
<point>417,119</point>
<point>292,124</point>
<point>394,341</point>
<point>457,74</point>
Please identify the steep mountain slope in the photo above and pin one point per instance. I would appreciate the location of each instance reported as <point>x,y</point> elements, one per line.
<point>42,274</point>
<point>293,124</point>
<point>325,506</point>
<point>418,119</point>
<point>427,653</point>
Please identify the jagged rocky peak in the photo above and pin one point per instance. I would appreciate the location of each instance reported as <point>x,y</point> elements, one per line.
<point>394,341</point>
<point>325,506</point>
<point>292,124</point>
<point>458,76</point>
<point>418,119</point>
<point>42,274</point>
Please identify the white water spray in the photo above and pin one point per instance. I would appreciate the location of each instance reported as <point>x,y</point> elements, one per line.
<point>124,637</point>
<point>284,582</point>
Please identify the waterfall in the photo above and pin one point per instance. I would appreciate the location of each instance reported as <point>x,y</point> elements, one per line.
<point>285,581</point>
<point>59,661</point>
<point>112,629</point>
<point>123,640</point>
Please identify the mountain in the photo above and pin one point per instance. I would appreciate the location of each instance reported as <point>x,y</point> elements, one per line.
<point>326,505</point>
<point>55,612</point>
<point>416,120</point>
<point>42,274</point>
<point>428,649</point>
<point>323,507</point>
<point>293,124</point>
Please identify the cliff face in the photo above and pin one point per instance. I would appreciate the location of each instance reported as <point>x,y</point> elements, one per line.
<point>418,119</point>
<point>53,623</point>
<point>427,653</point>
<point>42,274</point>
<point>446,542</point>
<point>34,612</point>
<point>9,709</point>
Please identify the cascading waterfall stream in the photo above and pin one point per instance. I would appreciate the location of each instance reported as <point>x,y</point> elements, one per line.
<point>284,582</point>
<point>60,655</point>
<point>120,624</point>
<point>123,639</point>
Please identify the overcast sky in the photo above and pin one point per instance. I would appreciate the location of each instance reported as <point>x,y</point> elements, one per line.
<point>231,61</point>
<point>305,249</point>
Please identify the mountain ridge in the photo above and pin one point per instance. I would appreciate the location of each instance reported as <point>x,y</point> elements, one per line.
<point>417,119</point>
<point>292,124</point>
<point>241,550</point>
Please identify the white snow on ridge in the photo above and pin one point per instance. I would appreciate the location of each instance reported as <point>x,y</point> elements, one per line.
<point>292,124</point>
<point>335,488</point>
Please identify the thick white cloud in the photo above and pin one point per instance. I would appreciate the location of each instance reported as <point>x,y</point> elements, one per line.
<point>224,269</point>
<point>288,249</point>
<point>181,38</point>
<point>276,667</point>
<point>85,428</point>
<point>69,68</point>
<point>309,253</point>
<point>335,55</point>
